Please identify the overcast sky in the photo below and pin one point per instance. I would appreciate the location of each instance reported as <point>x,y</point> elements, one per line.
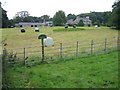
<point>50,7</point>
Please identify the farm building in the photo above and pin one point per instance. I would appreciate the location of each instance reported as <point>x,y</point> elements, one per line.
<point>86,21</point>
<point>34,24</point>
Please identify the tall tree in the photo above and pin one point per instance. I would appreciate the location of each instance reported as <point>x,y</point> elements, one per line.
<point>81,23</point>
<point>59,18</point>
<point>45,18</point>
<point>3,16</point>
<point>71,16</point>
<point>116,14</point>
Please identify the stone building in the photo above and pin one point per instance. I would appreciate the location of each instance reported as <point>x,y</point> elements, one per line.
<point>86,21</point>
<point>33,24</point>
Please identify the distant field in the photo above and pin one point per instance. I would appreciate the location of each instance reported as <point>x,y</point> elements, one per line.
<point>16,39</point>
<point>100,71</point>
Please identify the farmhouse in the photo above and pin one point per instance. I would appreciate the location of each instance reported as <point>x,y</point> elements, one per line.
<point>86,21</point>
<point>32,24</point>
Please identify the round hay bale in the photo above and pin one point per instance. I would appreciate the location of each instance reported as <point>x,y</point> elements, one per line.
<point>37,29</point>
<point>66,26</point>
<point>22,30</point>
<point>21,26</point>
<point>74,26</point>
<point>96,26</point>
<point>48,41</point>
<point>35,25</point>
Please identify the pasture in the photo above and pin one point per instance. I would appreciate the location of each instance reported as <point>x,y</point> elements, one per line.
<point>95,71</point>
<point>99,71</point>
<point>16,41</point>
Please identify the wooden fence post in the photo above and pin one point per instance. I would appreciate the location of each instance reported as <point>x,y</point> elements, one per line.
<point>105,44</point>
<point>61,50</point>
<point>77,49</point>
<point>92,46</point>
<point>118,43</point>
<point>24,56</point>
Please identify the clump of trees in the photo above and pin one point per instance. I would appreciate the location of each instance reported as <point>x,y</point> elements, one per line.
<point>116,15</point>
<point>3,18</point>
<point>81,23</point>
<point>59,18</point>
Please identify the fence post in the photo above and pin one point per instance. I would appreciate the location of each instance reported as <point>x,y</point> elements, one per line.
<point>24,56</point>
<point>118,43</point>
<point>4,54</point>
<point>77,49</point>
<point>105,44</point>
<point>92,46</point>
<point>60,50</point>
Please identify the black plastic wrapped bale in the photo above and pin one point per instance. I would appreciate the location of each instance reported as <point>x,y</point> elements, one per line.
<point>74,26</point>
<point>31,25</point>
<point>66,26</point>
<point>20,25</point>
<point>22,30</point>
<point>35,25</point>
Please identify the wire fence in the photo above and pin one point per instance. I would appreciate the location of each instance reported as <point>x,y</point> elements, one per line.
<point>66,50</point>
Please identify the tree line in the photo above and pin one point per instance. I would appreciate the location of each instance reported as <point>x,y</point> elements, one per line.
<point>108,18</point>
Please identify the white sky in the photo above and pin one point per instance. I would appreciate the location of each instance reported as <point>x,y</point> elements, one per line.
<point>50,7</point>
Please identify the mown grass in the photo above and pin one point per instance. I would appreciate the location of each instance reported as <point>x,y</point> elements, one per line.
<point>16,39</point>
<point>68,29</point>
<point>99,71</point>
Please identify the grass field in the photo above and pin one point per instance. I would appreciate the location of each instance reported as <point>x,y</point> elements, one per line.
<point>68,37</point>
<point>99,71</point>
<point>16,39</point>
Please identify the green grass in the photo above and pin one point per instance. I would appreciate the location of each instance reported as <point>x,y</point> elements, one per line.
<point>99,71</point>
<point>68,29</point>
<point>16,39</point>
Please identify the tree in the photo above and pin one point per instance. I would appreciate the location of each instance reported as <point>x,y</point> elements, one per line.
<point>80,23</point>
<point>116,15</point>
<point>101,18</point>
<point>71,16</point>
<point>22,14</point>
<point>59,18</point>
<point>3,16</point>
<point>45,18</point>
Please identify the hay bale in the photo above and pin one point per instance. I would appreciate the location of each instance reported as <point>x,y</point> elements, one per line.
<point>22,30</point>
<point>37,29</point>
<point>66,26</point>
<point>74,26</point>
<point>48,41</point>
<point>35,25</point>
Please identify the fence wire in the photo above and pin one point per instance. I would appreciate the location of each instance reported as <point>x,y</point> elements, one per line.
<point>66,50</point>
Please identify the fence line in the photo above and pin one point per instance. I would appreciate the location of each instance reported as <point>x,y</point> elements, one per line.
<point>73,49</point>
